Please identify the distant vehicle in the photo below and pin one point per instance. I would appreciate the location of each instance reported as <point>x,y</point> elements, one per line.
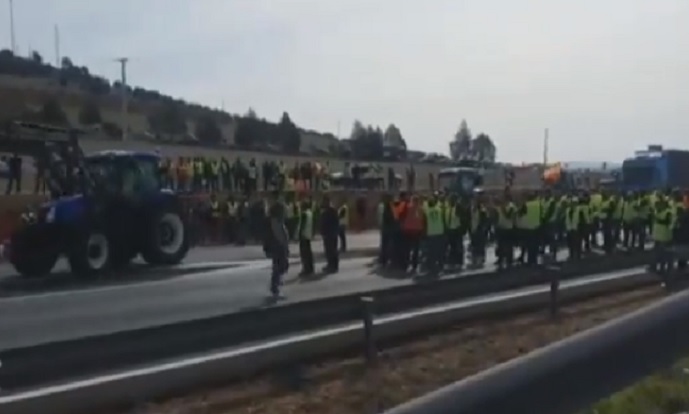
<point>656,168</point>
<point>460,180</point>
<point>106,208</point>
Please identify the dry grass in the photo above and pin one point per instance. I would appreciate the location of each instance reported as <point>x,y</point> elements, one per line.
<point>405,372</point>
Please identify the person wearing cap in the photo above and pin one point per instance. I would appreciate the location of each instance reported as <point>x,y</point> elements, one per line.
<point>575,226</point>
<point>453,233</point>
<point>479,230</point>
<point>386,222</point>
<point>398,243</point>
<point>435,229</point>
<point>412,225</point>
<point>529,222</point>
<point>343,217</point>
<point>504,231</point>
<point>330,226</point>
<point>662,234</point>
<point>305,235</point>
<point>276,243</point>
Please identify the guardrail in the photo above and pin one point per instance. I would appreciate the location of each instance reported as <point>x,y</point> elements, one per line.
<point>32,365</point>
<point>175,377</point>
<point>572,374</point>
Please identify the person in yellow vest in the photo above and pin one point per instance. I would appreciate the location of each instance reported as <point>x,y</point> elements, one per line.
<point>214,177</point>
<point>548,223</point>
<point>214,211</point>
<point>292,216</point>
<point>232,219</point>
<point>453,233</point>
<point>617,214</point>
<point>529,223</point>
<point>575,226</point>
<point>198,174</point>
<point>305,235</point>
<point>252,183</point>
<point>629,217</point>
<point>387,225</point>
<point>479,231</point>
<point>329,223</point>
<point>607,213</point>
<point>343,216</point>
<point>662,235</point>
<point>643,221</point>
<point>504,232</point>
<point>435,229</point>
<point>595,206</point>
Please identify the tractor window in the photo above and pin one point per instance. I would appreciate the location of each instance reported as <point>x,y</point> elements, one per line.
<point>149,175</point>
<point>105,171</point>
<point>140,177</point>
<point>447,181</point>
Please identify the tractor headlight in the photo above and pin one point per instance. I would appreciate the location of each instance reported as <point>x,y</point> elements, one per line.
<point>50,215</point>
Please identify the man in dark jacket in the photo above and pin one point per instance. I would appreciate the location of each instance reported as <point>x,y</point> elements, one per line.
<point>388,226</point>
<point>276,244</point>
<point>330,226</point>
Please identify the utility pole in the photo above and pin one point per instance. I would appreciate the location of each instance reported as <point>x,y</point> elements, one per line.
<point>57,46</point>
<point>545,148</point>
<point>13,42</point>
<point>125,124</point>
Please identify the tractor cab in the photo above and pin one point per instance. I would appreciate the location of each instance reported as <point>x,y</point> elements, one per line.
<point>460,180</point>
<point>130,174</point>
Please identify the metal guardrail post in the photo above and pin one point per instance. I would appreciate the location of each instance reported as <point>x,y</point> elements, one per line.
<point>554,292</point>
<point>370,351</point>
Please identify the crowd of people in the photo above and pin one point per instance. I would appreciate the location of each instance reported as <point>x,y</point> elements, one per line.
<point>426,235</point>
<point>279,220</point>
<point>536,225</point>
<point>206,174</point>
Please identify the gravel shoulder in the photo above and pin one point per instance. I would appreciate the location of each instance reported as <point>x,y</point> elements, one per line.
<point>344,386</point>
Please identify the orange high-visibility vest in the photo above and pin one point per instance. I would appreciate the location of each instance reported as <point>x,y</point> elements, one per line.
<point>413,219</point>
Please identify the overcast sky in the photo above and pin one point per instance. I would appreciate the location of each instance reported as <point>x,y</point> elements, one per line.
<point>606,76</point>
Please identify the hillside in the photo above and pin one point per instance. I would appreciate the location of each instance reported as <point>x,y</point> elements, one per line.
<point>27,84</point>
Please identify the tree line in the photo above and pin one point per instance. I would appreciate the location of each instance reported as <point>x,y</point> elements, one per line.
<point>168,116</point>
<point>465,146</point>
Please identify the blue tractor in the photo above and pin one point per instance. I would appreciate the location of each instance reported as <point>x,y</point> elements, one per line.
<point>105,209</point>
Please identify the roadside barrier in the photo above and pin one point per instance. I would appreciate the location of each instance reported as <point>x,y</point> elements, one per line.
<point>570,375</point>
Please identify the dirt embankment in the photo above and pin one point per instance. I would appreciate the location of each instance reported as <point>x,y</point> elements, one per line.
<point>405,372</point>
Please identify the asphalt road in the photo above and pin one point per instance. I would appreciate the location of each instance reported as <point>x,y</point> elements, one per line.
<point>61,315</point>
<point>356,243</point>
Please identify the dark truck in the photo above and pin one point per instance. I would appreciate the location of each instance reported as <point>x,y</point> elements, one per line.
<point>105,209</point>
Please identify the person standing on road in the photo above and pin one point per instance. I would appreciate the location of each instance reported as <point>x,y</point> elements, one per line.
<point>343,217</point>
<point>435,229</point>
<point>330,225</point>
<point>276,244</point>
<point>305,234</point>
<point>386,222</point>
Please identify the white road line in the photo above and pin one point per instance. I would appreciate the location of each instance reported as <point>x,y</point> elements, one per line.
<point>231,271</point>
<point>246,266</point>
